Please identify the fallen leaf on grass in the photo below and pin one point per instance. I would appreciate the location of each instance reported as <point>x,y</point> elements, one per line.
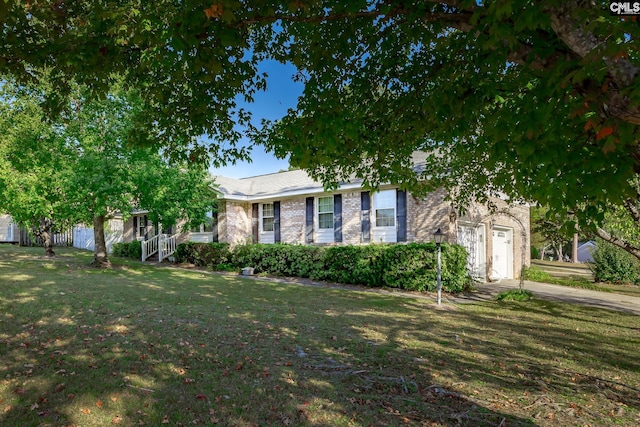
<point>116,420</point>
<point>165,419</point>
<point>85,411</point>
<point>99,403</point>
<point>201,397</point>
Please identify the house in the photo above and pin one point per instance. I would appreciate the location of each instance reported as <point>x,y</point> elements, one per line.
<point>585,251</point>
<point>9,231</point>
<point>290,207</point>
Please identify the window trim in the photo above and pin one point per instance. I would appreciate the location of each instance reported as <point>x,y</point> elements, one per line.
<point>392,207</point>
<point>328,212</point>
<point>263,217</point>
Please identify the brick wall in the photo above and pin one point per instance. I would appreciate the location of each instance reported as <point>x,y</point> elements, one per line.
<point>351,218</point>
<point>292,220</point>
<point>234,222</point>
<point>426,215</point>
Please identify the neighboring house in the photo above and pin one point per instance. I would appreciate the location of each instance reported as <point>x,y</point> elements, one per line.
<point>585,251</point>
<point>9,232</point>
<point>290,207</point>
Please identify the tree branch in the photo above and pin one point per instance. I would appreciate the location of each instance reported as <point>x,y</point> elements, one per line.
<point>604,235</point>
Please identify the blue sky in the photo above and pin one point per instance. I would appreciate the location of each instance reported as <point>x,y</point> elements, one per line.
<point>282,93</point>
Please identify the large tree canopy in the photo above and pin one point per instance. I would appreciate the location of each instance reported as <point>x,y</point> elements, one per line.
<point>533,99</point>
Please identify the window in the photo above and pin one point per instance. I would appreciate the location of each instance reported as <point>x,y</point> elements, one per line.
<point>385,208</point>
<point>142,226</point>
<point>267,217</point>
<point>325,212</point>
<point>207,226</point>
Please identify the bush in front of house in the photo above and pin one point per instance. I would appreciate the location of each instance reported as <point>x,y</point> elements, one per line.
<point>612,264</point>
<point>411,266</point>
<point>127,249</point>
<point>203,254</point>
<point>354,264</point>
<point>280,259</point>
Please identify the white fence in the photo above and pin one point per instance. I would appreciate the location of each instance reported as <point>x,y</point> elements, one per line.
<point>83,236</point>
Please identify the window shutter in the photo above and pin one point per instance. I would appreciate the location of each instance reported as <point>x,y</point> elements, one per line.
<point>276,222</point>
<point>337,218</point>
<point>401,214</point>
<point>135,227</point>
<point>308,229</point>
<point>214,225</point>
<point>145,224</point>
<point>255,222</point>
<point>365,201</point>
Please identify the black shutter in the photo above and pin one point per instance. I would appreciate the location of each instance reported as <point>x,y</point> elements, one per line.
<point>337,218</point>
<point>214,225</point>
<point>276,222</point>
<point>255,222</point>
<point>135,227</point>
<point>401,215</point>
<point>365,200</point>
<point>308,229</point>
<point>145,224</point>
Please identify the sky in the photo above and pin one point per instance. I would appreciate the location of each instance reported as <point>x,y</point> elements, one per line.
<point>282,93</point>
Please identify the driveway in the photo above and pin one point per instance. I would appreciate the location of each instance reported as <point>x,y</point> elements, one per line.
<point>608,300</point>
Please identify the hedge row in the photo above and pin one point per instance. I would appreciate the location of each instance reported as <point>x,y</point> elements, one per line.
<point>409,266</point>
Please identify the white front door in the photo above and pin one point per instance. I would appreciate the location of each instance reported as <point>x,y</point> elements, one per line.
<point>502,254</point>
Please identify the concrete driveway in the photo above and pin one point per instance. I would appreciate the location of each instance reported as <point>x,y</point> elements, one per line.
<point>608,300</point>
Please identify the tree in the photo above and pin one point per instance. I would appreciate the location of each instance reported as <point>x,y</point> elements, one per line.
<point>535,100</point>
<point>103,174</point>
<point>33,176</point>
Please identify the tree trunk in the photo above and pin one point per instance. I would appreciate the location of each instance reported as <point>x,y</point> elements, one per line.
<point>100,258</point>
<point>574,249</point>
<point>45,236</point>
<point>559,252</point>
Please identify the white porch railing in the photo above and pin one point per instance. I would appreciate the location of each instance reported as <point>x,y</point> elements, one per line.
<point>162,244</point>
<point>149,247</point>
<point>167,246</point>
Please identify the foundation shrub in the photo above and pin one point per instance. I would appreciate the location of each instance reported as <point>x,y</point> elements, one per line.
<point>203,254</point>
<point>127,250</point>
<point>280,259</point>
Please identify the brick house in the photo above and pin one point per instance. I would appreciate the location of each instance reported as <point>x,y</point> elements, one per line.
<point>290,207</point>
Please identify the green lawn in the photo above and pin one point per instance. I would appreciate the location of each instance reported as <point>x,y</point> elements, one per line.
<point>141,345</point>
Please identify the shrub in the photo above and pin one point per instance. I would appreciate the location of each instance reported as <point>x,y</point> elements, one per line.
<point>406,266</point>
<point>412,266</point>
<point>354,264</point>
<point>120,249</point>
<point>127,249</point>
<point>280,259</point>
<point>135,249</point>
<point>612,264</point>
<point>203,254</point>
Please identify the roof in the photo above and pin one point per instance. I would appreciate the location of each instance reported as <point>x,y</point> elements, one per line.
<point>287,183</point>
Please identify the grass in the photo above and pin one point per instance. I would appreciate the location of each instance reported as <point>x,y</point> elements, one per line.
<point>536,273</point>
<point>141,345</point>
<point>515,295</point>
